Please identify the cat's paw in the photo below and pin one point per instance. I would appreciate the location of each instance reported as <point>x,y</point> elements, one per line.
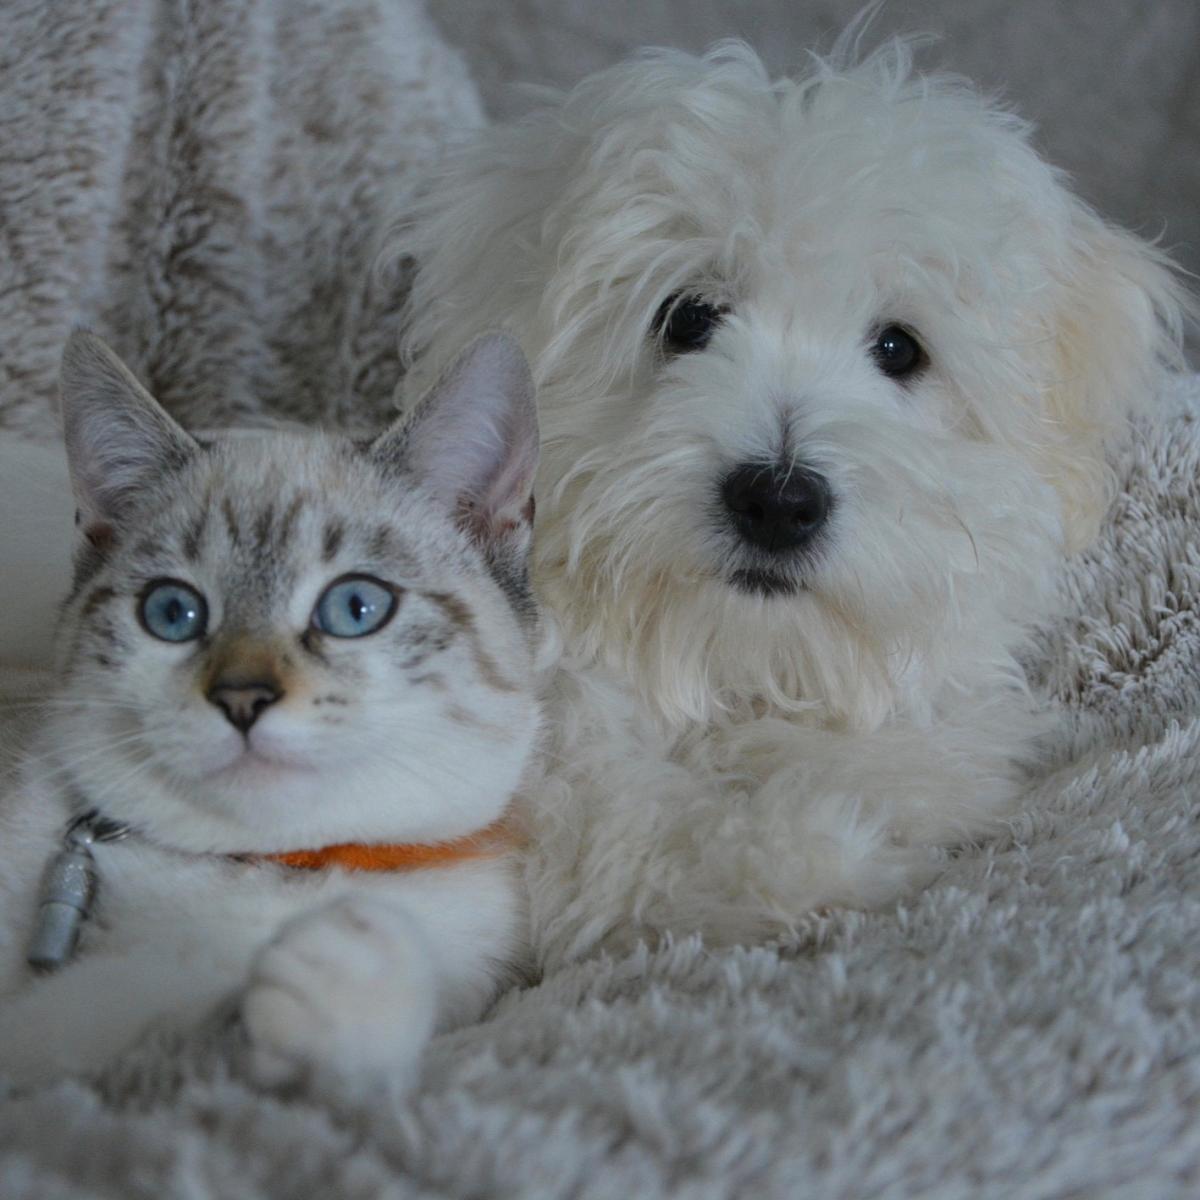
<point>342,993</point>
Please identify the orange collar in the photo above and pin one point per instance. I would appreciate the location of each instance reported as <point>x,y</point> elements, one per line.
<point>489,842</point>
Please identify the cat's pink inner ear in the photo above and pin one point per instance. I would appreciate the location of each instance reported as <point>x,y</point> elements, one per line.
<point>474,438</point>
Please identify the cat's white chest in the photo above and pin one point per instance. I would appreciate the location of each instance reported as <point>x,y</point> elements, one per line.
<point>328,967</point>
<point>147,896</point>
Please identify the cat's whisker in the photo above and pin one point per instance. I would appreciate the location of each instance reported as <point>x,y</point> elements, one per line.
<point>444,772</point>
<point>62,704</point>
<point>66,756</point>
<point>118,785</point>
<point>72,744</point>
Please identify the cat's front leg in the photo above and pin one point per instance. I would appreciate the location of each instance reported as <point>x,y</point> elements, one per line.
<point>346,993</point>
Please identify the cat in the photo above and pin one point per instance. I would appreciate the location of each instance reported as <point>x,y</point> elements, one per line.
<point>287,658</point>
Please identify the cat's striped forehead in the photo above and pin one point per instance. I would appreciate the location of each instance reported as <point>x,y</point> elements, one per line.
<point>256,512</point>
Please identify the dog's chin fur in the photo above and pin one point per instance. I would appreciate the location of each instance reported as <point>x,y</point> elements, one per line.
<point>808,730</point>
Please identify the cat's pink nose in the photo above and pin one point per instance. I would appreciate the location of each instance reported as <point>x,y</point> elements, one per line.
<point>243,703</point>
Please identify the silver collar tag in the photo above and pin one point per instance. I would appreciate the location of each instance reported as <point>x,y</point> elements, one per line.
<point>68,890</point>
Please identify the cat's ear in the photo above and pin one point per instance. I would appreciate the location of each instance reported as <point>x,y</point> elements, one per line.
<point>118,436</point>
<point>473,439</point>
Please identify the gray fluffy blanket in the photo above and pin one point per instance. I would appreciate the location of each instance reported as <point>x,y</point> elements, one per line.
<point>201,182</point>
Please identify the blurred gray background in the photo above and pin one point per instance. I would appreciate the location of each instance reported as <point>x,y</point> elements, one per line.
<point>1112,85</point>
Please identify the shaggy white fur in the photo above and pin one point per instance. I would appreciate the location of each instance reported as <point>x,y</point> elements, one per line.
<point>709,271</point>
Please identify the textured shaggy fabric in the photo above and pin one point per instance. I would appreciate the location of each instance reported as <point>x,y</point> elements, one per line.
<point>199,182</point>
<point>202,184</point>
<point>1030,1026</point>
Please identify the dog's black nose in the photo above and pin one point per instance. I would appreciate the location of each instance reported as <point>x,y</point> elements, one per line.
<point>243,703</point>
<point>774,507</point>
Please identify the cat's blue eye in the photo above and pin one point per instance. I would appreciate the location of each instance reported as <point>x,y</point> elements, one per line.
<point>354,606</point>
<point>173,611</point>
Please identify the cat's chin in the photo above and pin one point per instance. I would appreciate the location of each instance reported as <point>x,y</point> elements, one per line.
<point>227,761</point>
<point>254,764</point>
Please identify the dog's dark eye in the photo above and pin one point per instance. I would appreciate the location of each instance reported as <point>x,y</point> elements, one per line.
<point>897,353</point>
<point>686,323</point>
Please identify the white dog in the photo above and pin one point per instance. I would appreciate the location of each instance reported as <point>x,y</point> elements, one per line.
<point>828,369</point>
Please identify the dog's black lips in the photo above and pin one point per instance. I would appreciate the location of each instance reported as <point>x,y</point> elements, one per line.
<point>758,582</point>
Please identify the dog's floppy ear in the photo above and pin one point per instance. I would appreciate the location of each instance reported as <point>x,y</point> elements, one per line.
<point>1116,321</point>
